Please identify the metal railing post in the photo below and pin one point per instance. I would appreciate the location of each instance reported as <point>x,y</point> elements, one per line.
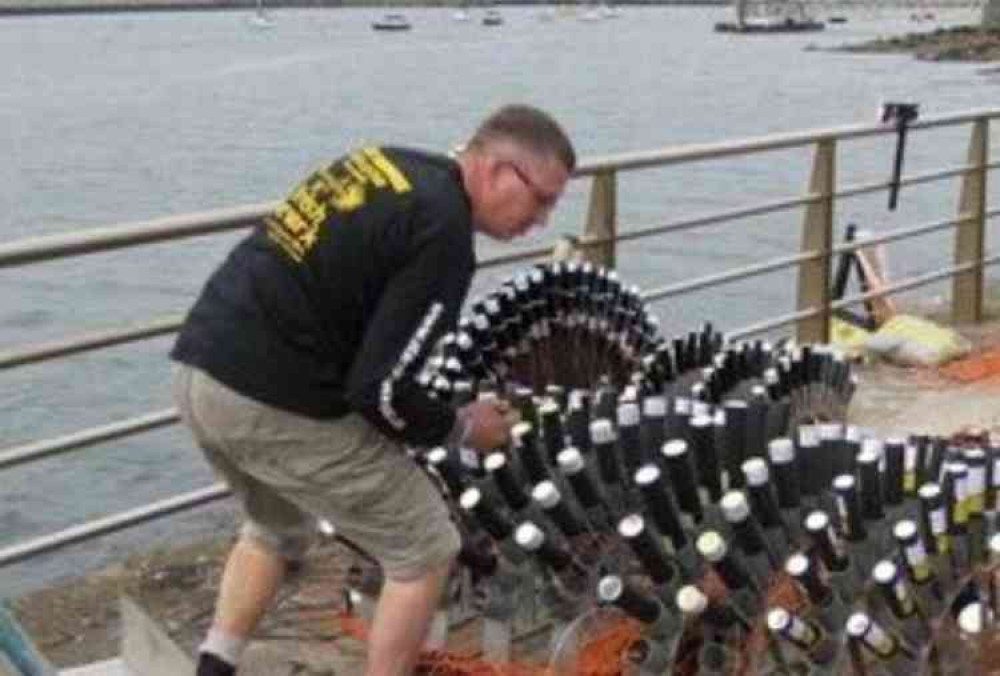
<point>817,235</point>
<point>970,235</point>
<point>602,219</point>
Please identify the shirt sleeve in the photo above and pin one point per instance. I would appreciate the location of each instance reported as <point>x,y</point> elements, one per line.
<point>417,305</point>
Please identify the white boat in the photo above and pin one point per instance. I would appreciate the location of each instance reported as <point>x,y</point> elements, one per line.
<point>492,17</point>
<point>460,15</point>
<point>609,11</point>
<point>392,22</point>
<point>261,18</point>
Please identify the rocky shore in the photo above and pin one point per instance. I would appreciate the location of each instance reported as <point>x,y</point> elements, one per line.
<point>960,43</point>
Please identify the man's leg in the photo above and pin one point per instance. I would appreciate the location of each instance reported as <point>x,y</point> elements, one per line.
<point>402,619</point>
<point>250,580</point>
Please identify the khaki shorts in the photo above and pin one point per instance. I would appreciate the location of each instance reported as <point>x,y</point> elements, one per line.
<point>289,470</point>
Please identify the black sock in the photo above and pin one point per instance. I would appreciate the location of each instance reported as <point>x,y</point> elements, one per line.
<point>213,665</point>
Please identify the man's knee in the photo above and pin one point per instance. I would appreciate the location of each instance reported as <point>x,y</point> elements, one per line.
<point>290,545</point>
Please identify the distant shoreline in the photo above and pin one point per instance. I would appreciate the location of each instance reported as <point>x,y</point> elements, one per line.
<point>10,8</point>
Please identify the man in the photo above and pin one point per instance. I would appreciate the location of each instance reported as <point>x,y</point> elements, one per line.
<point>296,368</point>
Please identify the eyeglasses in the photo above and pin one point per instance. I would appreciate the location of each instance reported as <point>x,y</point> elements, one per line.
<point>545,199</point>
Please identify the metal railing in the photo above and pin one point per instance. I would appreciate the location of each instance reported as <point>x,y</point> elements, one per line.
<point>600,238</point>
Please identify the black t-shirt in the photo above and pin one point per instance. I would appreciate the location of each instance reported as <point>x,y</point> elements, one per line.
<point>332,304</point>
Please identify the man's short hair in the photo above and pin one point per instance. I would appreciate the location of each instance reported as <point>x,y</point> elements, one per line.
<point>530,127</point>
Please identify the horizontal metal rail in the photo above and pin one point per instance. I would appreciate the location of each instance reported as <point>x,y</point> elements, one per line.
<point>19,455</point>
<point>110,524</point>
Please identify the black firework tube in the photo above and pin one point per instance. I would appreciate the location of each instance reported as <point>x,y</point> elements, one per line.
<point>827,543</point>
<point>573,467</point>
<point>605,448</point>
<point>706,457</point>
<point>678,422</point>
<point>849,511</point>
<point>808,577</point>
<point>805,634</point>
<point>605,403</point>
<point>505,478</point>
<point>691,350</point>
<point>558,510</point>
<point>831,436</point>
<point>647,548</point>
<point>680,471</point>
<point>492,520</point>
<point>775,389</point>
<point>557,393</point>
<point>846,462</point>
<point>525,444</point>
<point>976,484</point>
<point>660,505</point>
<point>653,426</point>
<point>665,361</point>
<point>876,639</point>
<point>913,552</point>
<point>746,530</point>
<point>756,423</point>
<point>447,466</point>
<point>993,474</point>
<point>993,586</point>
<point>531,538</point>
<point>911,464</point>
<point>553,436</point>
<point>936,453</point>
<point>470,357</point>
<point>713,549</point>
<point>786,473</point>
<point>629,437</point>
<point>578,419</point>
<point>762,498</point>
<point>920,470</point>
<point>808,456</point>
<point>482,562</point>
<point>735,440</point>
<point>680,355</point>
<point>954,486</point>
<point>693,603</point>
<point>647,609</point>
<point>896,594</point>
<point>895,469</point>
<point>870,483</point>
<point>934,518</point>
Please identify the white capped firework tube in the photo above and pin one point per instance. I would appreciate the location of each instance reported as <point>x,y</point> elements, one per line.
<point>954,487</point>
<point>558,394</point>
<point>680,471</point>
<point>827,606</point>
<point>786,484</point>
<point>585,488</point>
<point>749,537</point>
<point>810,638</point>
<point>506,480</point>
<point>807,456</point>
<point>831,437</point>
<point>493,522</point>
<point>756,423</point>
<point>558,510</point>
<point>578,419</point>
<point>902,602</point>
<point>720,617</point>
<point>894,451</point>
<point>629,439</point>
<point>652,427</point>
<point>553,436</point>
<point>975,459</point>
<point>679,420</point>
<point>645,544</point>
<point>744,594</point>
<point>604,443</point>
<point>734,440</point>
<point>892,655</point>
<point>919,567</point>
<point>524,441</point>
<point>765,506</point>
<point>446,464</point>
<point>531,538</point>
<point>605,403</point>
<point>850,446</point>
<point>870,488</point>
<point>706,458</point>
<point>830,550</point>
<point>657,622</point>
<point>864,550</point>
<point>660,505</point>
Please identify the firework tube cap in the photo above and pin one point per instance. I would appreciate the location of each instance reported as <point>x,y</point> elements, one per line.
<point>691,600</point>
<point>675,448</point>
<point>495,461</point>
<point>631,526</point>
<point>529,536</point>
<point>711,545</point>
<point>569,460</point>
<point>904,530</point>
<point>844,482</point>
<point>628,414</point>
<point>884,572</point>
<point>778,619</point>
<point>782,451</point>
<point>470,498</point>
<point>734,507</point>
<point>546,494</point>
<point>602,432</point>
<point>797,564</point>
<point>858,624</point>
<point>647,475</point>
<point>755,470</point>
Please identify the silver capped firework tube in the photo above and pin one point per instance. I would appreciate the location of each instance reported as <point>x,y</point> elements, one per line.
<point>648,549</point>
<point>658,623</point>
<point>659,505</point>
<point>919,567</point>
<point>891,654</point>
<point>955,488</point>
<point>826,605</point>
<point>807,455</point>
<point>807,636</point>
<point>524,441</point>
<point>508,484</point>
<point>902,602</point>
<point>653,427</point>
<point>493,522</point>
<point>786,484</point>
<point>629,439</point>
<point>734,440</point>
<point>604,443</point>
<point>586,489</point>
<point>680,471</point>
<point>870,488</point>
<point>559,511</point>
<point>553,436</point>
<point>578,419</point>
<point>765,505</point>
<point>679,420</point>
<point>720,617</point>
<point>864,550</point>
<point>744,592</point>
<point>976,491</point>
<point>706,458</point>
<point>893,476</point>
<point>559,564</point>
<point>756,422</point>
<point>749,537</point>
<point>831,437</point>
<point>833,554</point>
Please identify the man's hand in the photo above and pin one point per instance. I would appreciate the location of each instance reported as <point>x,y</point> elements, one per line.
<point>489,424</point>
